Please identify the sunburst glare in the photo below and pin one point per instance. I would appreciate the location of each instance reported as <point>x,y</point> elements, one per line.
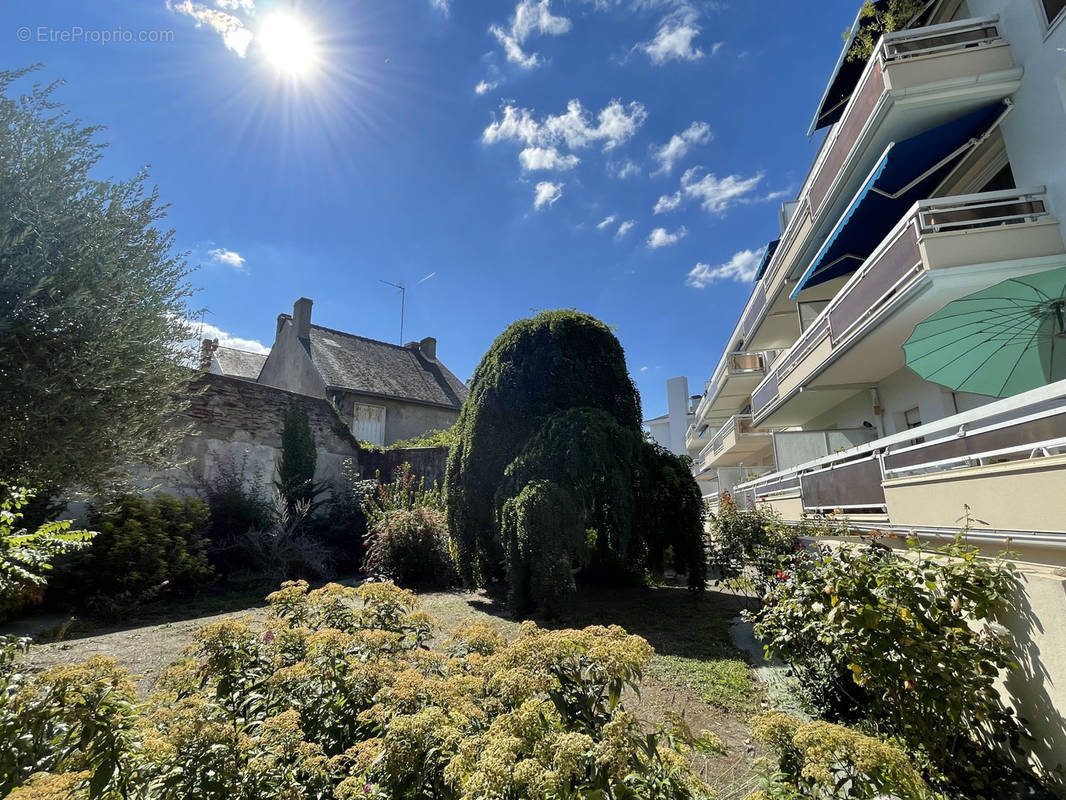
<point>287,44</point>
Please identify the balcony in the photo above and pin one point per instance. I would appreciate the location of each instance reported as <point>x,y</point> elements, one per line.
<point>730,387</point>
<point>1005,461</point>
<point>737,442</point>
<point>942,249</point>
<point>914,81</point>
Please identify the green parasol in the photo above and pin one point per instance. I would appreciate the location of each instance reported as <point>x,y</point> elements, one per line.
<point>1000,341</point>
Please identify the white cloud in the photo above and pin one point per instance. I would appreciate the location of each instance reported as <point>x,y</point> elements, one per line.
<point>716,47</point>
<point>484,87</point>
<point>678,146</point>
<point>718,194</point>
<point>643,369</point>
<point>546,193</point>
<point>614,125</point>
<point>674,39</point>
<point>206,330</point>
<point>534,158</point>
<point>667,203</point>
<point>660,237</point>
<point>232,29</point>
<point>607,222</point>
<point>530,18</point>
<point>443,6</point>
<point>230,258</point>
<point>740,268</point>
<point>625,169</point>
<point>624,228</point>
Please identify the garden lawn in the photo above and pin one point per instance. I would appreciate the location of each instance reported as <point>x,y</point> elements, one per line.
<point>695,671</point>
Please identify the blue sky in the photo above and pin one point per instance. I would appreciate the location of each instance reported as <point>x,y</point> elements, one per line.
<point>623,157</point>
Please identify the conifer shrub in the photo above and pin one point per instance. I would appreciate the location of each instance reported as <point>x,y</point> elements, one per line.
<point>551,475</point>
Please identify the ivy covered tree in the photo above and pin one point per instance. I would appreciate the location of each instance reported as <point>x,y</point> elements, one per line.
<point>92,305</point>
<point>551,473</point>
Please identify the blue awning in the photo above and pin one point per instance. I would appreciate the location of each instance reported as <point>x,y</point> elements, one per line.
<point>845,78</point>
<point>771,248</point>
<point>904,175</point>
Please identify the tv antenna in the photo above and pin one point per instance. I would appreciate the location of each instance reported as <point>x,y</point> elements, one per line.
<point>403,302</point>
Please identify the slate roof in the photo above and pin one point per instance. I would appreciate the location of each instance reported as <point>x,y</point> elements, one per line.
<point>368,366</point>
<point>240,363</point>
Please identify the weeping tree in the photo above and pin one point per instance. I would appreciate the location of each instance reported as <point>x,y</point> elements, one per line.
<point>93,300</point>
<point>551,473</point>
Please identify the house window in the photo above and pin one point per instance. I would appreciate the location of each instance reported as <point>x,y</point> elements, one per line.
<point>1053,9</point>
<point>368,423</point>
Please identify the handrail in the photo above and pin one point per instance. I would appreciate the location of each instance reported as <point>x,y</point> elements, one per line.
<point>1028,406</point>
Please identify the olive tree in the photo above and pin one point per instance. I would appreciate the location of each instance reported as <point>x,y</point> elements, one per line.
<point>93,338</point>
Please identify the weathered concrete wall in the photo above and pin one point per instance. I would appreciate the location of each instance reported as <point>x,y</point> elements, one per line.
<point>237,424</point>
<point>403,420</point>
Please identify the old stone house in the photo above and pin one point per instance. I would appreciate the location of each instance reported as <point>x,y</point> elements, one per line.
<point>384,392</point>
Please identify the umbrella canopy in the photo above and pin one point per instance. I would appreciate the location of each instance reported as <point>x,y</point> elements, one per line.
<point>1003,340</point>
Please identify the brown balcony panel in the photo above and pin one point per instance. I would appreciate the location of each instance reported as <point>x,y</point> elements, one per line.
<point>746,362</point>
<point>855,484</point>
<point>982,216</point>
<point>1024,433</point>
<point>863,103</point>
<point>872,290</point>
<point>973,36</point>
<point>754,310</point>
<point>765,394</point>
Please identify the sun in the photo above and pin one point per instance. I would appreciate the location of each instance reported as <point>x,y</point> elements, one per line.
<point>287,44</point>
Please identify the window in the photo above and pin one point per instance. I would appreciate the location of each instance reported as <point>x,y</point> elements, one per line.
<point>1053,9</point>
<point>368,423</point>
<point>913,418</point>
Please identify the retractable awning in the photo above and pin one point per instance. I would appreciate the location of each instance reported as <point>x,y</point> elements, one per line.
<point>907,172</point>
<point>771,248</point>
<point>842,82</point>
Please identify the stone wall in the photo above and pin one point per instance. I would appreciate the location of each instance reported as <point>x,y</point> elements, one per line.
<point>237,424</point>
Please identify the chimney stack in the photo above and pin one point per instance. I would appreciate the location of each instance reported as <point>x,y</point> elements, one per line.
<point>428,346</point>
<point>207,347</point>
<point>301,317</point>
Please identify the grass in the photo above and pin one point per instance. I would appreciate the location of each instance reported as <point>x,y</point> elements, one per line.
<point>690,634</point>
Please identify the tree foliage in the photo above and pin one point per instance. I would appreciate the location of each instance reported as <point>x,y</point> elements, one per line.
<point>299,458</point>
<point>92,305</point>
<point>879,19</point>
<point>550,471</point>
<point>26,556</point>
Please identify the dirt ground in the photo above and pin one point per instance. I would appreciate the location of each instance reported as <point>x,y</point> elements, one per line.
<point>147,647</point>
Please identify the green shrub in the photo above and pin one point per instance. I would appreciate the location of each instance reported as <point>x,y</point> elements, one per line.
<point>755,539</point>
<point>553,411</point>
<point>285,548</point>
<point>340,524</point>
<point>25,557</point>
<point>146,546</point>
<point>410,547</point>
<point>404,492</point>
<point>297,463</point>
<point>237,501</point>
<point>823,760</point>
<point>443,437</point>
<point>338,695</point>
<point>913,635</point>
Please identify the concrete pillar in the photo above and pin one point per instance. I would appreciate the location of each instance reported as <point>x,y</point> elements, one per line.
<point>677,408</point>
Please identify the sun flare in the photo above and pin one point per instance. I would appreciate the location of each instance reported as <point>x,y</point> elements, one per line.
<point>287,44</point>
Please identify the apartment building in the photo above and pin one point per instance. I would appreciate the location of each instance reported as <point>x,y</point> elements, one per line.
<point>902,357</point>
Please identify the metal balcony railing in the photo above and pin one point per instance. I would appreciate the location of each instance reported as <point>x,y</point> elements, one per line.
<point>895,262</point>
<point>1028,426</point>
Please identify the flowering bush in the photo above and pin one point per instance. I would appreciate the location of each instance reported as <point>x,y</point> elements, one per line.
<point>820,759</point>
<point>756,538</point>
<point>338,695</point>
<point>411,548</point>
<point>906,642</point>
